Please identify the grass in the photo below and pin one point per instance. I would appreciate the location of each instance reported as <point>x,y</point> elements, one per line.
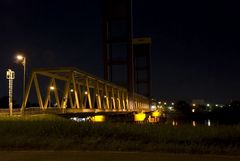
<point>49,132</point>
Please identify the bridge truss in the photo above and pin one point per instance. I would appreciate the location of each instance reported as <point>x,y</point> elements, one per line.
<point>81,92</point>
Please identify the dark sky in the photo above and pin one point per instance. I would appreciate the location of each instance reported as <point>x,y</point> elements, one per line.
<point>195,44</point>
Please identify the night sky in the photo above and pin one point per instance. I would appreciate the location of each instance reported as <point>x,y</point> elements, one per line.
<point>195,44</point>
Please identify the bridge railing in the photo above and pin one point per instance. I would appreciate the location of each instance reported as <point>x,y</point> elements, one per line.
<point>141,102</point>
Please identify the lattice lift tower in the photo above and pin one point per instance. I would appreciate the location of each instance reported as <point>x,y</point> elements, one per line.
<point>125,62</point>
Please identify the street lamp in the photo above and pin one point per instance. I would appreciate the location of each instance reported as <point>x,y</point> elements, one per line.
<point>52,88</point>
<point>22,60</point>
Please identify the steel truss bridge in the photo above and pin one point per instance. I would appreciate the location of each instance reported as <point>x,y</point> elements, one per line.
<point>76,91</point>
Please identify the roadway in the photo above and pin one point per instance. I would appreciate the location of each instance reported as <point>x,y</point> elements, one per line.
<point>107,156</point>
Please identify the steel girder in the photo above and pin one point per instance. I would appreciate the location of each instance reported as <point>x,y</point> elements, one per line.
<point>81,91</point>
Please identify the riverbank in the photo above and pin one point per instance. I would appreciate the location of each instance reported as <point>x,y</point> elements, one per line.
<point>50,132</point>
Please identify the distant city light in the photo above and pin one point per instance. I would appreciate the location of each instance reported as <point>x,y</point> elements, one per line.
<point>208,105</point>
<point>153,107</point>
<point>85,92</point>
<point>193,104</point>
<point>172,103</point>
<point>165,103</point>
<point>170,108</point>
<point>193,110</point>
<point>71,90</point>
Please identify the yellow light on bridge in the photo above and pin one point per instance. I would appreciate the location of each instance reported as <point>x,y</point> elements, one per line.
<point>156,113</point>
<point>52,88</point>
<point>140,117</point>
<point>98,118</point>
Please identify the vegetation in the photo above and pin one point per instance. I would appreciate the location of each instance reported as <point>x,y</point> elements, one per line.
<point>49,132</point>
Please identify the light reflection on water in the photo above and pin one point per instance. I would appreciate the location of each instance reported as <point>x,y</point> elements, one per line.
<point>175,123</point>
<point>194,123</point>
<point>209,122</point>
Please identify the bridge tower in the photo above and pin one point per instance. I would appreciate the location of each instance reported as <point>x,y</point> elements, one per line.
<point>142,65</point>
<point>123,53</point>
<point>118,48</point>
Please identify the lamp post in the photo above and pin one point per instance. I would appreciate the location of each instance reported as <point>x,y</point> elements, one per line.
<point>22,59</point>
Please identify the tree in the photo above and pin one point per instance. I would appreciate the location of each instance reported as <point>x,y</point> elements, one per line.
<point>183,107</point>
<point>235,108</point>
<point>4,102</point>
<point>229,114</point>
